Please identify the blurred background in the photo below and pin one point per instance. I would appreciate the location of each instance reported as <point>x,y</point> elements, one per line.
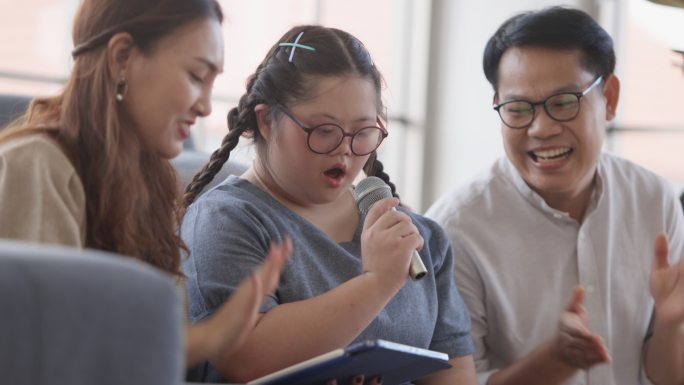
<point>443,130</point>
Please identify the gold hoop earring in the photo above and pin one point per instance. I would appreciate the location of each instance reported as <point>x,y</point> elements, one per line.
<point>121,89</point>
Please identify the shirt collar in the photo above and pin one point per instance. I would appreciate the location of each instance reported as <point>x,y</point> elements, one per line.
<point>512,174</point>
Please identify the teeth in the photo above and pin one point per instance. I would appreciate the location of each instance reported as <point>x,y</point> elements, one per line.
<point>548,154</point>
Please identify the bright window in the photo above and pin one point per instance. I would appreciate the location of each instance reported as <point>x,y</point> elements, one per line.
<point>650,125</point>
<point>38,61</point>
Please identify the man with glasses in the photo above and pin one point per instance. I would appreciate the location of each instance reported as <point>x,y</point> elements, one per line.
<point>554,246</point>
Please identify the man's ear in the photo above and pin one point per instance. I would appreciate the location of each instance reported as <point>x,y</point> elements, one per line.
<point>263,121</point>
<point>611,92</point>
<point>120,50</point>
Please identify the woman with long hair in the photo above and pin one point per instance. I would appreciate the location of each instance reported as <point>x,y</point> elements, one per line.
<point>90,167</point>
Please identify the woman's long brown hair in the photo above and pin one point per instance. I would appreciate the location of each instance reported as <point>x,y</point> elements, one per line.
<point>131,193</point>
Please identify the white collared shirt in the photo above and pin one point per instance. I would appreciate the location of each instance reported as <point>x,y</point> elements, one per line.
<point>518,260</point>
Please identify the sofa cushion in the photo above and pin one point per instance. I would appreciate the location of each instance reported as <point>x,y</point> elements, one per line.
<point>85,317</point>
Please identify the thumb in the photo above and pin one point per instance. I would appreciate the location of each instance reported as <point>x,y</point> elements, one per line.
<point>577,300</point>
<point>378,209</point>
<point>661,252</point>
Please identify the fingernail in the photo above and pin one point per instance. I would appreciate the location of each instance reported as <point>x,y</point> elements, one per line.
<point>358,380</point>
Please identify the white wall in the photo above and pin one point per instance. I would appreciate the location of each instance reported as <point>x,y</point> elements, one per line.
<point>462,131</point>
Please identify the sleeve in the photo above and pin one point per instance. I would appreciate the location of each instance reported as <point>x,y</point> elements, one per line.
<point>452,330</point>
<point>226,244</point>
<point>471,287</point>
<point>41,196</point>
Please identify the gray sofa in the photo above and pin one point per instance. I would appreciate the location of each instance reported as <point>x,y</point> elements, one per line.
<point>77,317</point>
<point>11,107</point>
<point>189,162</point>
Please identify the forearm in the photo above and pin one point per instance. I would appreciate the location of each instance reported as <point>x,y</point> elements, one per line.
<point>664,359</point>
<point>541,367</point>
<point>297,331</point>
<point>462,372</point>
<point>195,344</point>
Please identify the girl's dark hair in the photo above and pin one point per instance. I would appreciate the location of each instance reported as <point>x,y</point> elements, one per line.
<point>555,28</point>
<point>279,81</point>
<point>131,193</point>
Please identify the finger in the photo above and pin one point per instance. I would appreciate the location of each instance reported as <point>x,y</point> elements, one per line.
<point>358,380</point>
<point>577,300</point>
<point>578,341</point>
<point>248,295</point>
<point>661,252</point>
<point>391,218</point>
<point>421,243</point>
<point>597,356</point>
<point>574,357</point>
<point>378,209</point>
<point>593,349</point>
<point>270,271</point>
<point>257,293</point>
<point>400,229</point>
<point>573,326</point>
<point>411,242</point>
<point>583,359</point>
<point>602,349</point>
<point>583,344</point>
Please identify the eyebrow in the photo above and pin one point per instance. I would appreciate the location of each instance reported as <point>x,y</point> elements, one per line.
<point>331,117</point>
<point>567,88</point>
<point>209,64</point>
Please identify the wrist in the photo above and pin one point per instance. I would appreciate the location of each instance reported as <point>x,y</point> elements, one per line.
<point>667,322</point>
<point>385,287</point>
<point>662,325</point>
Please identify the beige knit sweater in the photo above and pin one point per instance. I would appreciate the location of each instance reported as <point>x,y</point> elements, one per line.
<point>41,196</point>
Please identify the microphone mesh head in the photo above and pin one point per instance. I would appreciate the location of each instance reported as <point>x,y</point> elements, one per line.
<point>369,191</point>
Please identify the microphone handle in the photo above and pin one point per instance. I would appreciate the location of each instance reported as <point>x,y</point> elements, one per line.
<point>417,268</point>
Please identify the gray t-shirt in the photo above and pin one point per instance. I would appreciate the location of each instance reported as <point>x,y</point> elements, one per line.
<point>228,232</point>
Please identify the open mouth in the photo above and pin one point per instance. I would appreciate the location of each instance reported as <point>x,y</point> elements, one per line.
<point>184,132</point>
<point>335,173</point>
<point>556,153</point>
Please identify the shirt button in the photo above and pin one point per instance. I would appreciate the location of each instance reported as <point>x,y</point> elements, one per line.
<point>589,289</point>
<point>558,216</point>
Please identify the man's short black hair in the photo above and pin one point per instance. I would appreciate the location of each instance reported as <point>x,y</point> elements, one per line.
<point>554,28</point>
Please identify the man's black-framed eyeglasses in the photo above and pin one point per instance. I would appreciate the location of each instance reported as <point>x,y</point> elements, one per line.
<point>325,138</point>
<point>561,107</point>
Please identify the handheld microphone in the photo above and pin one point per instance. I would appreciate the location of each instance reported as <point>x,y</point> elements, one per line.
<point>371,190</point>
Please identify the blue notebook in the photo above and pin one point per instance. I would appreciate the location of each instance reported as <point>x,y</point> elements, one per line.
<point>396,363</point>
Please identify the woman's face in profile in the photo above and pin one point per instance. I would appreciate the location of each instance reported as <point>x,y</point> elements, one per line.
<point>170,87</point>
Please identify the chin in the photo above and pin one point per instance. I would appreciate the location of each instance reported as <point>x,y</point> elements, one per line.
<point>170,153</point>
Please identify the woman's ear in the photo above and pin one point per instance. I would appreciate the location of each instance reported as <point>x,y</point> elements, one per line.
<point>119,53</point>
<point>611,92</point>
<point>263,121</point>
